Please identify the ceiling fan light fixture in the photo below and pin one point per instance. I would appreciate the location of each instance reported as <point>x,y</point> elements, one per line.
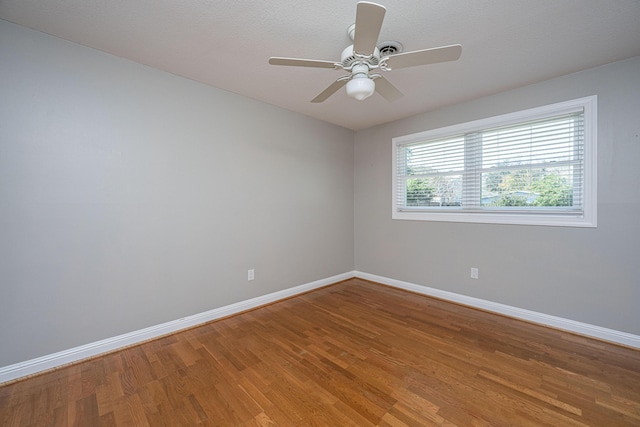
<point>360,88</point>
<point>364,57</point>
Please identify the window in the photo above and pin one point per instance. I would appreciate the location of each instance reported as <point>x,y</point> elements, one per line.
<point>535,167</point>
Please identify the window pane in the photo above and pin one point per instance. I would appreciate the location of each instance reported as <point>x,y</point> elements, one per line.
<point>440,156</point>
<point>530,187</point>
<point>543,141</point>
<point>434,191</point>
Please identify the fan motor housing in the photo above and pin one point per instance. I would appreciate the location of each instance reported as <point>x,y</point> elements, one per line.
<point>348,58</point>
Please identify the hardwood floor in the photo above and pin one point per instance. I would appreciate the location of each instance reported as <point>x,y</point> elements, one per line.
<point>352,354</point>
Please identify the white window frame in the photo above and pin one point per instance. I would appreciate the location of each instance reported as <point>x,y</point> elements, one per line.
<point>588,217</point>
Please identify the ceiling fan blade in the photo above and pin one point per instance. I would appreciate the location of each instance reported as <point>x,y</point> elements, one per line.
<point>297,62</point>
<point>424,57</point>
<point>333,88</point>
<point>369,18</point>
<point>387,90</point>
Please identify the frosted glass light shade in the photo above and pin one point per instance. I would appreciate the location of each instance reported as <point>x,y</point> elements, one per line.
<point>360,88</point>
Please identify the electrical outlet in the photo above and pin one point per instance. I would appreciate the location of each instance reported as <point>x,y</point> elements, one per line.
<point>474,272</point>
<point>251,274</point>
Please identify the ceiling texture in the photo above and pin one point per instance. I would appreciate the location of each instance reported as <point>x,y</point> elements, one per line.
<point>227,44</point>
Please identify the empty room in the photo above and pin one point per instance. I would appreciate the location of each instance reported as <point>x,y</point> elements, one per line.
<point>340,213</point>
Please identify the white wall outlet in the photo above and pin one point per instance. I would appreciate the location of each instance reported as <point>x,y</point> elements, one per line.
<point>474,272</point>
<point>251,274</point>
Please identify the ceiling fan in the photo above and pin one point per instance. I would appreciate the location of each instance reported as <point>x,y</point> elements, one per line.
<point>363,58</point>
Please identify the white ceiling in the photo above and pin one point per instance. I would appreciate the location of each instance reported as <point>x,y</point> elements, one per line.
<point>227,43</point>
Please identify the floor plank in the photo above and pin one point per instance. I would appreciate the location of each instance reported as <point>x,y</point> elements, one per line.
<point>354,353</point>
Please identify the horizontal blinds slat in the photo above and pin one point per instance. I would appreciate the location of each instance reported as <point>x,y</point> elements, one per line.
<point>452,171</point>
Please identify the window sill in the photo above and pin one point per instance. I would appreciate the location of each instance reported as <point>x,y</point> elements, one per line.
<point>564,220</point>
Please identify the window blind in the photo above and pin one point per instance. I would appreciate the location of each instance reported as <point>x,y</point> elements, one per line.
<point>535,166</point>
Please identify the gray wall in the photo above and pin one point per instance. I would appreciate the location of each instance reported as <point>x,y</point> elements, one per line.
<point>130,197</point>
<point>588,275</point>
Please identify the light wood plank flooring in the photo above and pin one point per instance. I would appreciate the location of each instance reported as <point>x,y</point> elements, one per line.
<point>352,354</point>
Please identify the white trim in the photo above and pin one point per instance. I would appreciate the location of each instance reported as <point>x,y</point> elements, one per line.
<point>33,366</point>
<point>586,329</point>
<point>587,219</point>
<point>544,111</point>
<point>44,363</point>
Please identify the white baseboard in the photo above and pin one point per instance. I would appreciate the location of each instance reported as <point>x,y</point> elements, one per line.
<point>586,329</point>
<point>40,364</point>
<point>44,363</point>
